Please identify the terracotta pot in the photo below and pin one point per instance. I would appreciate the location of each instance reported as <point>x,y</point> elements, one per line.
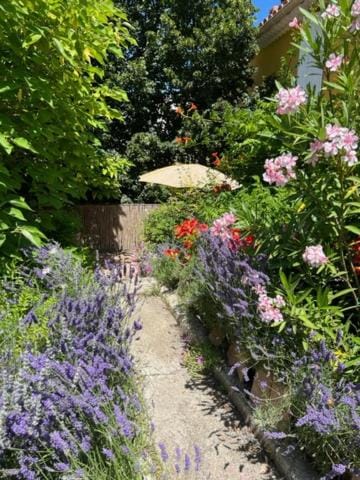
<point>266,388</point>
<point>216,336</point>
<point>241,356</point>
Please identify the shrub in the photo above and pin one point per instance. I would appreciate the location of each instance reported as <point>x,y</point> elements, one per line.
<point>52,103</point>
<point>68,404</point>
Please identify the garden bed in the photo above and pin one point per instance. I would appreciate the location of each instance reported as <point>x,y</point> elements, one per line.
<point>291,463</point>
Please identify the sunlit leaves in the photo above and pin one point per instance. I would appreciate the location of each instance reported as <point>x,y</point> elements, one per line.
<point>52,55</point>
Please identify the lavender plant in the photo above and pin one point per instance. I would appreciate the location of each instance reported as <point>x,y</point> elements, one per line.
<point>72,399</point>
<point>230,278</point>
<point>326,408</point>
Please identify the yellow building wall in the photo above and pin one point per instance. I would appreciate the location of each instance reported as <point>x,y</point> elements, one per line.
<point>268,60</point>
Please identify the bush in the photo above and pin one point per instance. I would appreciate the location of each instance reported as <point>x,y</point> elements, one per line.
<point>69,406</point>
<point>52,103</point>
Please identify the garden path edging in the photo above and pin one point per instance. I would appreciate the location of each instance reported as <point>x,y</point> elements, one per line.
<point>292,465</point>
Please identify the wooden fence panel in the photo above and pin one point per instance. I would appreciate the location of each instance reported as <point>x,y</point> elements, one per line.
<point>113,228</point>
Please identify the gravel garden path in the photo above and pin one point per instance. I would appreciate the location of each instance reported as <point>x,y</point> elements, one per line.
<point>188,412</point>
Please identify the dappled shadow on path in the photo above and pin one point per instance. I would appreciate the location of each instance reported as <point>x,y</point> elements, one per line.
<point>234,435</point>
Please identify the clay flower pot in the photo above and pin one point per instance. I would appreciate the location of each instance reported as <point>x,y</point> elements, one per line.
<point>266,388</point>
<point>216,336</point>
<point>237,355</point>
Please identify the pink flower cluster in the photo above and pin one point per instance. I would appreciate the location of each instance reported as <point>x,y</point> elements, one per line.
<point>355,12</point>
<point>334,62</point>
<point>289,100</point>
<point>339,141</point>
<point>314,256</point>
<point>269,308</point>
<point>280,170</point>
<point>221,226</point>
<point>295,23</point>
<point>331,11</point>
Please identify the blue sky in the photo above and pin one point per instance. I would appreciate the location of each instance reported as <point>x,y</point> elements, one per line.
<point>264,7</point>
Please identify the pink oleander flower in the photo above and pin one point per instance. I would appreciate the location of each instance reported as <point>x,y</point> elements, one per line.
<point>331,11</point>
<point>228,219</point>
<point>334,62</point>
<point>315,147</point>
<point>355,9</point>
<point>269,308</point>
<point>280,170</point>
<point>331,148</point>
<point>289,100</point>
<point>294,23</point>
<point>314,256</point>
<point>221,226</point>
<point>333,131</point>
<point>355,26</point>
<point>350,158</point>
<point>341,140</point>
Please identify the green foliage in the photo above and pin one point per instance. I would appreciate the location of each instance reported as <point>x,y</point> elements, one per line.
<point>15,228</point>
<point>242,135</point>
<point>326,193</point>
<point>167,271</point>
<point>17,298</point>
<point>201,358</point>
<point>53,56</point>
<point>187,51</point>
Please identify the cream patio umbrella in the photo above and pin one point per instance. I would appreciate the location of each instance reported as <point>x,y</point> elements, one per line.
<point>192,175</point>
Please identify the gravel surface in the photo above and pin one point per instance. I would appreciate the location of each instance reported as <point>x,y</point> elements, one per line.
<point>188,412</point>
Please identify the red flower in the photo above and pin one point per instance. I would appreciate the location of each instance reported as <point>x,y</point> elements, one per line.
<point>217,160</point>
<point>183,140</point>
<point>190,227</point>
<point>202,227</point>
<point>249,240</point>
<point>189,230</point>
<point>171,252</point>
<point>236,235</point>
<point>192,107</point>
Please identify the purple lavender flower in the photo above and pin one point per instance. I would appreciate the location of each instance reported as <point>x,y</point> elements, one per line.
<point>197,459</point>
<point>108,453</point>
<point>163,452</point>
<point>187,462</point>
<point>275,435</point>
<point>62,467</point>
<point>322,419</point>
<point>54,397</point>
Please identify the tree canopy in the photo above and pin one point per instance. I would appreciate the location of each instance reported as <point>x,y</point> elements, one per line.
<point>187,51</point>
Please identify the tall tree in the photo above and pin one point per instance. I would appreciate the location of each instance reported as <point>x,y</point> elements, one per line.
<point>187,51</point>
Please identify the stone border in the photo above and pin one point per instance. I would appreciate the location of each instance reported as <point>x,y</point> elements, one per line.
<point>290,465</point>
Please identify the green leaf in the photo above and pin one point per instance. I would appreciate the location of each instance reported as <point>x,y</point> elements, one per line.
<point>23,143</point>
<point>2,238</point>
<point>353,229</point>
<point>32,234</point>
<point>59,46</point>
<point>31,40</point>
<point>20,203</point>
<point>15,213</point>
<point>4,142</point>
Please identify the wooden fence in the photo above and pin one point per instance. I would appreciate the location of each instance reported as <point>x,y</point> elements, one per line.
<point>113,228</point>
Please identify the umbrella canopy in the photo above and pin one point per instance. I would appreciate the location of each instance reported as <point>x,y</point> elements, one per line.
<point>192,175</point>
